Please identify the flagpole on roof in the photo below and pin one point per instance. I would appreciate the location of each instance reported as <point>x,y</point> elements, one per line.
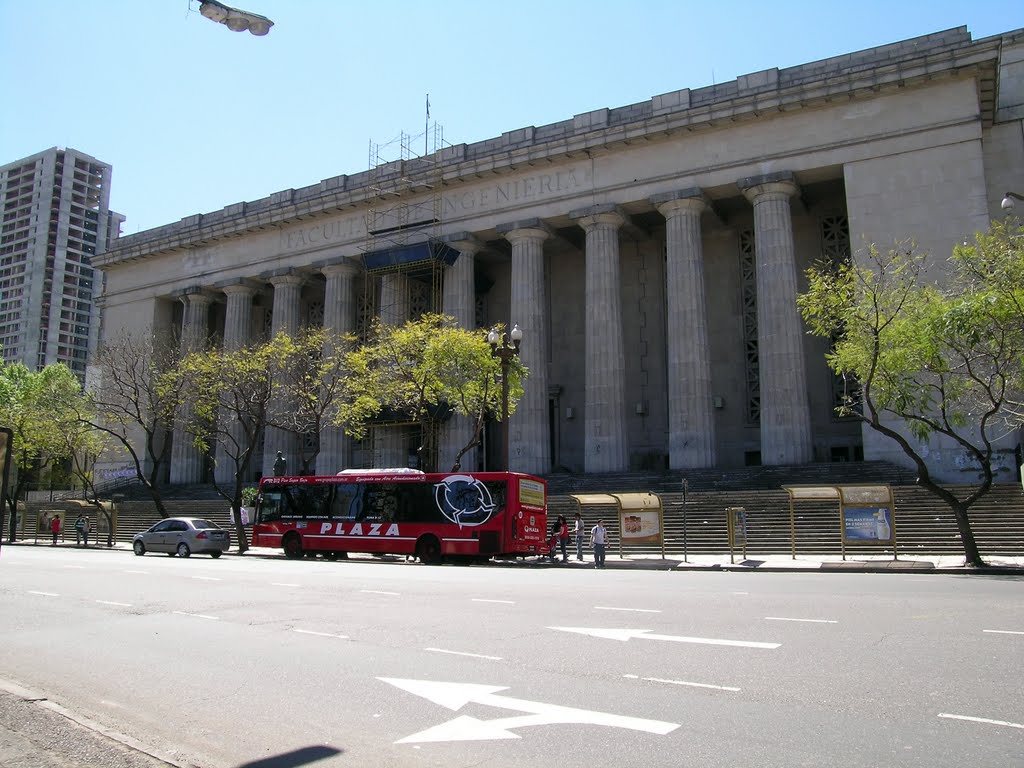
<point>426,128</point>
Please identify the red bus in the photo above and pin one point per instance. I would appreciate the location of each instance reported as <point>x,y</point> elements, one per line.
<point>461,516</point>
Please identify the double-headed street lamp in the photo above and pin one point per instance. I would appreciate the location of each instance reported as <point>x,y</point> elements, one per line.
<point>235,19</point>
<point>505,353</point>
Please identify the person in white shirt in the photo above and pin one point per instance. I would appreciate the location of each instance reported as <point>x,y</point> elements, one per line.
<point>579,533</point>
<point>598,538</point>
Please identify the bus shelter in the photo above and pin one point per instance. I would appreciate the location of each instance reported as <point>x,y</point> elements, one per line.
<point>641,516</point>
<point>867,513</point>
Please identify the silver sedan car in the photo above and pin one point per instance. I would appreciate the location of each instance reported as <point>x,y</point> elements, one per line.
<point>182,536</point>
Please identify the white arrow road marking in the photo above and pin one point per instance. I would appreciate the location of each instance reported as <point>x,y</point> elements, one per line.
<point>454,696</point>
<point>646,634</point>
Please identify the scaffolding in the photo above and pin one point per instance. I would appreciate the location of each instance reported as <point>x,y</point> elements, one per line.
<point>403,260</point>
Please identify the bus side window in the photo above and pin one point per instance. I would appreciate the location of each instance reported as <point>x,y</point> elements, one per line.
<point>343,503</point>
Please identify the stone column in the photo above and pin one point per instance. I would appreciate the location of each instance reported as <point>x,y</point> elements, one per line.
<point>691,424</point>
<point>186,460</point>
<point>458,301</point>
<point>339,317</point>
<point>530,438</point>
<point>285,319</point>
<point>390,443</point>
<point>605,367</point>
<point>237,330</point>
<point>785,409</point>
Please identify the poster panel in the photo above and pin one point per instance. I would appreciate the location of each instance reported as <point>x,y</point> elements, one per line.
<point>640,526</point>
<point>867,524</point>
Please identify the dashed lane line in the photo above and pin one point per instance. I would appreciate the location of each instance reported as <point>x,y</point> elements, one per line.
<point>1002,632</point>
<point>462,653</point>
<point>205,578</point>
<point>485,600</point>
<point>196,615</point>
<point>319,634</point>
<point>44,594</point>
<point>807,621</point>
<point>987,721</point>
<point>683,682</point>
<point>634,610</point>
<point>111,602</point>
<point>378,592</point>
<point>283,584</point>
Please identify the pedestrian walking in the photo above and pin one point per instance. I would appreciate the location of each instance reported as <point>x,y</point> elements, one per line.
<point>82,530</point>
<point>598,538</point>
<point>55,528</point>
<point>578,532</point>
<point>563,537</point>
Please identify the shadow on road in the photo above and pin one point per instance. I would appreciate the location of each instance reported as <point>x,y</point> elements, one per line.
<point>295,758</point>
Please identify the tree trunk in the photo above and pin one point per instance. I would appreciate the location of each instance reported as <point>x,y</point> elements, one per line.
<point>963,524</point>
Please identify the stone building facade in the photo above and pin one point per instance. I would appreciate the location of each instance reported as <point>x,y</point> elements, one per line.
<point>650,253</point>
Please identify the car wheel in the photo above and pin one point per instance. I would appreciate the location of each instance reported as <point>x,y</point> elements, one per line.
<point>215,554</point>
<point>428,550</point>
<point>140,548</point>
<point>292,545</point>
<point>183,550</point>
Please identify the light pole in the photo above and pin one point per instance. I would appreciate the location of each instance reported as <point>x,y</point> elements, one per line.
<point>505,353</point>
<point>1007,204</point>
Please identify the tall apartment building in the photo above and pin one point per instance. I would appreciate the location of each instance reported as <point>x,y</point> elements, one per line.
<point>56,219</point>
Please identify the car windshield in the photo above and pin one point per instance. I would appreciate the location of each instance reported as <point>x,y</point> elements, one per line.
<point>203,525</point>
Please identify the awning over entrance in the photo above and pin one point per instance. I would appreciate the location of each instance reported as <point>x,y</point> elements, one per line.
<point>411,258</point>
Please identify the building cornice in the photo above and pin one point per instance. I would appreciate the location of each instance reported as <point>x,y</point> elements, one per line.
<point>756,96</point>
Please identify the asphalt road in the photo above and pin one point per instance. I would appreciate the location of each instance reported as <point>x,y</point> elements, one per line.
<point>229,662</point>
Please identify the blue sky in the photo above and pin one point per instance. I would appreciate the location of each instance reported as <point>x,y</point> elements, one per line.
<point>194,117</point>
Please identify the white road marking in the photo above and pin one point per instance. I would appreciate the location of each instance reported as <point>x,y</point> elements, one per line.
<point>196,615</point>
<point>1003,632</point>
<point>81,567</point>
<point>982,720</point>
<point>44,594</point>
<point>283,584</point>
<point>645,634</point>
<point>378,592</point>
<point>206,578</point>
<point>739,593</point>
<point>635,610</point>
<point>111,602</point>
<point>809,621</point>
<point>454,696</point>
<point>319,634</point>
<point>144,573</point>
<point>682,682</point>
<point>483,600</point>
<point>461,653</point>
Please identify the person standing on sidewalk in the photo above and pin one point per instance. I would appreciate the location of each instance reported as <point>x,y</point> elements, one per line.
<point>578,532</point>
<point>598,538</point>
<point>82,530</point>
<point>55,528</point>
<point>563,537</point>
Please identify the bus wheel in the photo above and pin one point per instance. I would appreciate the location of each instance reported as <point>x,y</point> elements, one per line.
<point>332,556</point>
<point>428,550</point>
<point>292,546</point>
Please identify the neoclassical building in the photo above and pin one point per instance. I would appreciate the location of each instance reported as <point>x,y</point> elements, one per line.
<point>651,255</point>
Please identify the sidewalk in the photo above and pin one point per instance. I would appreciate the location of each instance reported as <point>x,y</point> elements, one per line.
<point>855,561</point>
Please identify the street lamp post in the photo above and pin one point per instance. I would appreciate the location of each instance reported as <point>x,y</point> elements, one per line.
<point>505,352</point>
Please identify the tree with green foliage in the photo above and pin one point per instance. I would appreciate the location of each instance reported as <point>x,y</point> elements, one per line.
<point>310,375</point>
<point>39,407</point>
<point>134,393</point>
<point>229,395</point>
<point>422,372</point>
<point>935,351</point>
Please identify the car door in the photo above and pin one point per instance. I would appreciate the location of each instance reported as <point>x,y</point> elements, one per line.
<point>155,538</point>
<point>178,532</point>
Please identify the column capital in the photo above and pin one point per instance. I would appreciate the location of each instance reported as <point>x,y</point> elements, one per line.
<point>195,294</point>
<point>286,276</point>
<point>605,214</point>
<point>339,265</point>
<point>529,228</point>
<point>242,285</point>
<point>464,242</point>
<point>692,199</point>
<point>778,184</point>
